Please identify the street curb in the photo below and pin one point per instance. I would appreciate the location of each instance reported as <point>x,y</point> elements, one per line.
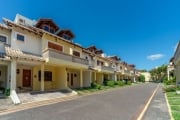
<point>169,109</point>
<point>147,104</point>
<point>30,105</point>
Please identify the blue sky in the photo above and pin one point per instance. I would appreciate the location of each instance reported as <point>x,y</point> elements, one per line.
<point>140,32</point>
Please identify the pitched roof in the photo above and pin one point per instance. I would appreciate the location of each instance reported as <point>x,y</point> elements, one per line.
<point>68,32</point>
<point>46,21</point>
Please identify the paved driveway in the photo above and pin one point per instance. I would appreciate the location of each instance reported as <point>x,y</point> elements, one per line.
<point>119,104</point>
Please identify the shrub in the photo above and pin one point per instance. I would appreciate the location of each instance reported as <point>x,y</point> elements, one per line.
<point>141,78</point>
<point>115,82</point>
<point>95,85</point>
<point>170,89</point>
<point>105,82</point>
<point>120,83</point>
<point>172,81</point>
<point>178,88</point>
<point>98,86</point>
<point>169,82</point>
<point>110,83</point>
<point>129,83</point>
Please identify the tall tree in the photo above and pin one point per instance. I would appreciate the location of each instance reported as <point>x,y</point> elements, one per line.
<point>159,73</point>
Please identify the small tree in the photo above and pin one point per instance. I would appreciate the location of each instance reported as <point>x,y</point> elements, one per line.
<point>141,78</point>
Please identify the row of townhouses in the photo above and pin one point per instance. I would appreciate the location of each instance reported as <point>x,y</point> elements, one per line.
<point>39,56</point>
<point>174,66</point>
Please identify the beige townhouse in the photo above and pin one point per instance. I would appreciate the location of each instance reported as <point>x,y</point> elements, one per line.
<point>40,56</point>
<point>176,64</point>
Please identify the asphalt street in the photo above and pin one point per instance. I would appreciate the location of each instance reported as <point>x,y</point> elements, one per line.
<point>118,104</point>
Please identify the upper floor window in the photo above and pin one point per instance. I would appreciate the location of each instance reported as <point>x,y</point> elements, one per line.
<point>120,67</point>
<point>51,30</point>
<point>76,53</point>
<point>20,37</point>
<point>3,38</point>
<point>100,63</point>
<point>67,37</point>
<point>21,21</point>
<point>46,28</point>
<point>55,46</point>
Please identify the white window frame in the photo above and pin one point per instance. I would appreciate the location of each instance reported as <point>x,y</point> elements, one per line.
<point>20,34</point>
<point>56,44</point>
<point>6,38</point>
<point>76,51</point>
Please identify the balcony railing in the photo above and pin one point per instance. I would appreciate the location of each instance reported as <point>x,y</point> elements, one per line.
<point>63,56</point>
<point>107,68</point>
<point>126,72</point>
<point>118,69</point>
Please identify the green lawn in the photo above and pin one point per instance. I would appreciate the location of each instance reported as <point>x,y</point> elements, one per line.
<point>174,102</point>
<point>172,94</point>
<point>176,115</point>
<point>175,108</point>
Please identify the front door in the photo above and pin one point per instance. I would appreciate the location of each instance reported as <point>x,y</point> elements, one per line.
<point>70,79</point>
<point>26,78</point>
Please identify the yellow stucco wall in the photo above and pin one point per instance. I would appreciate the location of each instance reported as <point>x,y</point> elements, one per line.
<point>61,78</point>
<point>58,78</point>
<point>99,78</point>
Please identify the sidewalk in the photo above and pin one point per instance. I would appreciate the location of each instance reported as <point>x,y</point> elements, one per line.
<point>158,109</point>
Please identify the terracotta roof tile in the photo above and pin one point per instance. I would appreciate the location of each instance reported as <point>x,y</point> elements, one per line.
<point>19,54</point>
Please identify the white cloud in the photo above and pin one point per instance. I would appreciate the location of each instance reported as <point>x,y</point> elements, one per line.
<point>155,57</point>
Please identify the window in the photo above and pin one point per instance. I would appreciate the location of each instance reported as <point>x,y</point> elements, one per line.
<point>21,21</point>
<point>20,37</point>
<point>120,67</point>
<point>75,53</point>
<point>46,28</point>
<point>47,76</point>
<point>51,30</point>
<point>3,38</point>
<point>55,46</point>
<point>100,63</point>
<point>67,37</point>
